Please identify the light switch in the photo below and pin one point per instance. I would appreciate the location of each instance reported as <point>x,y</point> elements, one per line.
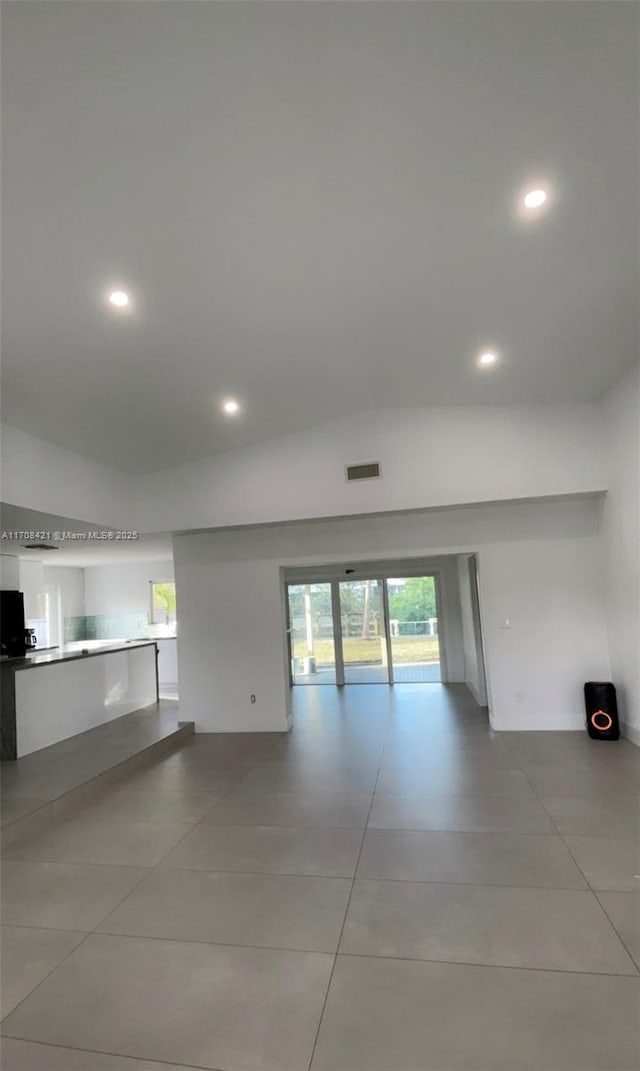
<point>505,622</point>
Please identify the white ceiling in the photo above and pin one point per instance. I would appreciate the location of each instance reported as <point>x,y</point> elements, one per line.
<point>82,552</point>
<point>314,209</point>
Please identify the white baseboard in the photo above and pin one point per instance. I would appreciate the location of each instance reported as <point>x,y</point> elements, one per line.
<point>570,724</point>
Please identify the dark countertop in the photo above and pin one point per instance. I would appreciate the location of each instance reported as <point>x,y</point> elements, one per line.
<point>66,654</point>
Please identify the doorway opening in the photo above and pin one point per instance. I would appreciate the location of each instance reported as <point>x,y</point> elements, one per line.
<point>366,630</point>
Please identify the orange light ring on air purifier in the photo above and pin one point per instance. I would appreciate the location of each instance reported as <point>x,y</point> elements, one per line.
<point>601,714</point>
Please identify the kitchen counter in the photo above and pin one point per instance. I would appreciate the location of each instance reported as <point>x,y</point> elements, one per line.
<point>72,692</point>
<point>68,653</point>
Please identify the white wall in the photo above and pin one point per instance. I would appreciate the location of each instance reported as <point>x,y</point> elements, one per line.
<point>539,565</point>
<point>621,534</point>
<point>553,594</point>
<point>439,456</point>
<point>231,644</point>
<point>122,589</point>
<point>9,572</point>
<point>429,457</point>
<point>70,580</point>
<point>41,476</point>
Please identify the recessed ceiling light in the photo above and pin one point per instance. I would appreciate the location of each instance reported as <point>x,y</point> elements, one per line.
<point>231,406</point>
<point>535,198</point>
<point>119,298</point>
<point>487,358</point>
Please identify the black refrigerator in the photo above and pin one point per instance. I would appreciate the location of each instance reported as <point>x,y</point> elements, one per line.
<point>12,623</point>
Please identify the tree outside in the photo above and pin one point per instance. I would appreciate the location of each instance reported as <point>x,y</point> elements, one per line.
<point>415,600</point>
<point>410,599</point>
<point>163,601</point>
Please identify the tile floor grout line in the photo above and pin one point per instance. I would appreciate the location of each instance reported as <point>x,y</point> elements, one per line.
<point>66,862</point>
<point>349,898</point>
<point>595,892</point>
<point>150,870</point>
<point>633,957</point>
<point>551,818</point>
<point>189,826</point>
<point>324,877</point>
<point>466,832</point>
<point>352,955</point>
<point>46,976</point>
<point>615,928</point>
<point>54,800</point>
<point>61,821</point>
<point>213,944</point>
<point>47,929</point>
<point>142,878</point>
<point>227,792</point>
<point>353,880</point>
<point>279,825</point>
<point>490,966</point>
<point>93,931</point>
<point>591,888</point>
<point>103,1052</point>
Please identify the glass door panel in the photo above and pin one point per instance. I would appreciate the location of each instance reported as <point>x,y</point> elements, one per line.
<point>413,623</point>
<point>364,648</point>
<point>312,644</point>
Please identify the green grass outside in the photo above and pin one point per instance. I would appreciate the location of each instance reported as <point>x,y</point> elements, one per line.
<point>406,649</point>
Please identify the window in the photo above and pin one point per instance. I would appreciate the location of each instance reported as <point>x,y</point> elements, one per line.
<point>163,602</point>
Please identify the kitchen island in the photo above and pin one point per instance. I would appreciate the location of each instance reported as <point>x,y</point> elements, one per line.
<point>49,696</point>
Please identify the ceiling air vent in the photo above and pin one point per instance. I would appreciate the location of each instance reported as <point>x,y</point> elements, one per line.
<point>370,470</point>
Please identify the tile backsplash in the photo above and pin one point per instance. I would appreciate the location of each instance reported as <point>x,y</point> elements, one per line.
<point>110,627</point>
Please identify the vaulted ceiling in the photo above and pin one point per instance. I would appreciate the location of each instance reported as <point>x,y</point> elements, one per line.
<point>315,209</point>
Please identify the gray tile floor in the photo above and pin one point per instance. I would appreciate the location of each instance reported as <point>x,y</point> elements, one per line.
<point>389,887</point>
<point>47,775</point>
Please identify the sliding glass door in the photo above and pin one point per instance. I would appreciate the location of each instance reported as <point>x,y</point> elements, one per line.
<point>369,630</point>
<point>413,626</point>
<point>311,638</point>
<point>364,642</point>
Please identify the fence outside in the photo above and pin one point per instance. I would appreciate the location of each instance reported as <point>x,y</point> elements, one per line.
<point>352,626</point>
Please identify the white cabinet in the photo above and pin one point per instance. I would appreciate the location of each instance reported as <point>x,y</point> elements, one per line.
<point>167,661</point>
<point>32,584</point>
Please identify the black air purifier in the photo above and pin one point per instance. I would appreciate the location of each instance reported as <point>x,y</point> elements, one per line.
<point>602,710</point>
